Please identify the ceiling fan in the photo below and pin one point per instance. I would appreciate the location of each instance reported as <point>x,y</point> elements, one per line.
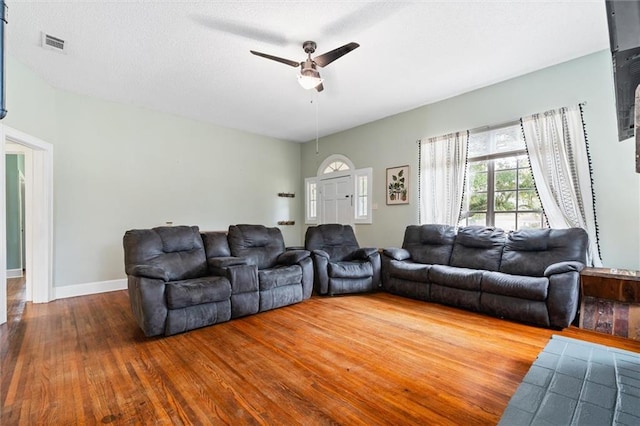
<point>309,77</point>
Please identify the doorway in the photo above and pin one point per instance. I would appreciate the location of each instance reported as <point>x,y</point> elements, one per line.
<point>38,226</point>
<point>15,186</point>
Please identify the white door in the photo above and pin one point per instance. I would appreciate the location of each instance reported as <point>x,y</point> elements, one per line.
<point>336,200</point>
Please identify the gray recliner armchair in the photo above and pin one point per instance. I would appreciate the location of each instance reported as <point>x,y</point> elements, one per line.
<point>170,287</point>
<point>340,265</point>
<point>284,276</point>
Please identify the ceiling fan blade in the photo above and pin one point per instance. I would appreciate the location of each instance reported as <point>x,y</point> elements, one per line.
<point>277,59</point>
<point>326,58</point>
<point>320,87</point>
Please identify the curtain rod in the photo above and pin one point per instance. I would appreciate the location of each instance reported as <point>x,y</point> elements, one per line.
<point>500,125</point>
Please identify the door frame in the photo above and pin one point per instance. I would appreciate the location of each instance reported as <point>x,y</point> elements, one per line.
<point>38,218</point>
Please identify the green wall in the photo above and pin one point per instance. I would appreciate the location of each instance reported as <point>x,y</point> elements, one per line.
<point>119,167</point>
<point>392,142</point>
<point>13,165</point>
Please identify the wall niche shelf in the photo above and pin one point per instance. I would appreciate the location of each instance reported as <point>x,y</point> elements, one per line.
<point>286,222</point>
<point>286,194</point>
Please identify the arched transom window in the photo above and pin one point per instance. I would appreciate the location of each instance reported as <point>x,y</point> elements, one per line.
<point>336,166</point>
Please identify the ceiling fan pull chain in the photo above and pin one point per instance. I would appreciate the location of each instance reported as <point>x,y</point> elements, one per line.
<point>315,94</point>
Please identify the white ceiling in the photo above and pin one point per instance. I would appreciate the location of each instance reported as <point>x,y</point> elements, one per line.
<point>192,58</point>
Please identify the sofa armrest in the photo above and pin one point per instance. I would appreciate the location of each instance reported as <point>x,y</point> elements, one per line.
<point>148,271</point>
<point>224,262</point>
<point>320,271</point>
<point>148,303</point>
<point>397,253</point>
<point>292,257</point>
<point>321,253</point>
<point>562,267</point>
<point>362,253</point>
<point>563,293</point>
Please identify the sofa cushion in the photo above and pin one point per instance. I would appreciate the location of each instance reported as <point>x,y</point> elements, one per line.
<point>531,251</point>
<point>279,276</point>
<point>350,269</point>
<point>409,271</point>
<point>337,240</point>
<point>177,250</point>
<point>431,244</point>
<point>451,276</point>
<point>196,291</point>
<point>179,238</point>
<point>478,247</point>
<point>216,244</point>
<point>522,287</point>
<point>259,244</point>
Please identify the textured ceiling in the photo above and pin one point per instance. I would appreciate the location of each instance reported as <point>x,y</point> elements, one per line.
<point>192,58</point>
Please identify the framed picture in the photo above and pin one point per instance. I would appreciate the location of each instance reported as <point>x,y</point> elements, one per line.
<point>398,185</point>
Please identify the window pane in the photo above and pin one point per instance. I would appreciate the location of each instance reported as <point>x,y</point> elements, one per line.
<point>528,200</point>
<point>523,162</point>
<point>505,201</point>
<point>311,203</point>
<point>477,219</point>
<point>479,144</point>
<point>478,166</point>
<point>529,220</point>
<point>506,221</point>
<point>525,179</point>
<point>478,202</point>
<point>505,179</point>
<point>362,206</point>
<point>336,166</point>
<point>477,176</point>
<point>508,139</point>
<point>506,163</point>
<point>362,197</point>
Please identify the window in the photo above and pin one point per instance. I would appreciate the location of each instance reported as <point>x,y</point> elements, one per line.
<point>362,195</point>
<point>499,185</point>
<point>311,200</point>
<point>336,166</point>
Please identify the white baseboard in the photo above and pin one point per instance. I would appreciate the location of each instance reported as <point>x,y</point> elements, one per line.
<point>89,288</point>
<point>14,273</point>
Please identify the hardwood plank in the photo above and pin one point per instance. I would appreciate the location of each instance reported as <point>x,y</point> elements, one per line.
<point>361,359</point>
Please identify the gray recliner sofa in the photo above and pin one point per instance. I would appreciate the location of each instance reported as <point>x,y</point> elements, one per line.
<point>340,264</point>
<point>531,276</point>
<point>180,279</point>
<point>170,287</point>
<point>284,276</point>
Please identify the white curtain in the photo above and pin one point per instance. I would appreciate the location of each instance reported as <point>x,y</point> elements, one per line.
<point>557,147</point>
<point>442,172</point>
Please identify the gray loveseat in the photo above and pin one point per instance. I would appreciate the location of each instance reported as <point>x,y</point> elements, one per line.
<point>530,276</point>
<point>180,279</point>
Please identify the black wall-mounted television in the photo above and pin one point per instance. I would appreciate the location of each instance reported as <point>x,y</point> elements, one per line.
<point>623,17</point>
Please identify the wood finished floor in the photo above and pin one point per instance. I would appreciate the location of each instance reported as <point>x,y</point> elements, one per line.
<point>364,359</point>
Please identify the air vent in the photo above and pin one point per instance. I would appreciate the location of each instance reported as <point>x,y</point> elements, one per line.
<point>53,43</point>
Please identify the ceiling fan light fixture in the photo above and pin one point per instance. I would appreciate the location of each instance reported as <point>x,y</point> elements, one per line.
<point>309,78</point>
